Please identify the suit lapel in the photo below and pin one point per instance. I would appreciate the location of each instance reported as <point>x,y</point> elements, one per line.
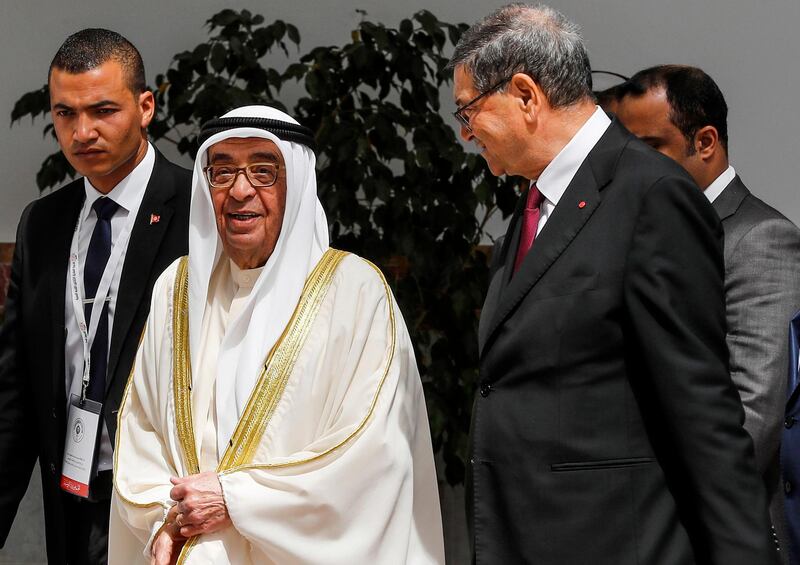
<point>141,253</point>
<point>576,206</point>
<point>794,355</point>
<point>502,276</point>
<point>730,198</point>
<point>62,224</point>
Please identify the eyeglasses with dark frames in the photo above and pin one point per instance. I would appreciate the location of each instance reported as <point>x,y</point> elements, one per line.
<point>459,113</point>
<point>259,175</point>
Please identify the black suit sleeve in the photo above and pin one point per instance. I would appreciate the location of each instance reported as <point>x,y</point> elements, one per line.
<point>17,423</point>
<point>674,298</point>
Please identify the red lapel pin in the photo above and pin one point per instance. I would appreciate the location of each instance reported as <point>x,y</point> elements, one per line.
<point>582,204</point>
<point>154,219</point>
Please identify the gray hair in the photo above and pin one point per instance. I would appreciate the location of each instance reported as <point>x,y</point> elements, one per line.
<point>536,40</point>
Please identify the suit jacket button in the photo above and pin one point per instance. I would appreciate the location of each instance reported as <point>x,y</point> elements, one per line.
<point>52,468</point>
<point>486,388</point>
<point>53,413</point>
<point>787,487</point>
<point>789,422</point>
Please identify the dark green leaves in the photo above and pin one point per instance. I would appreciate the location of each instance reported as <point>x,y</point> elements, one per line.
<point>227,18</point>
<point>218,56</point>
<point>54,171</point>
<point>294,35</point>
<point>34,103</point>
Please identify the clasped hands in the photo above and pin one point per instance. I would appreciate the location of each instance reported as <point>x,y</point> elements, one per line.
<point>199,509</point>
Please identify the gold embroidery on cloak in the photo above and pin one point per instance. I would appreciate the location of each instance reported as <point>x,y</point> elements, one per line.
<point>182,368</point>
<point>275,374</point>
<point>389,359</point>
<point>122,404</point>
<point>271,382</point>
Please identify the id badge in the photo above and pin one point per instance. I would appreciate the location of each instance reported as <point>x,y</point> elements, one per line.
<point>83,424</point>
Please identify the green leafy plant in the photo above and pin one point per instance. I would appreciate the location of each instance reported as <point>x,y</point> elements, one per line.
<point>397,187</point>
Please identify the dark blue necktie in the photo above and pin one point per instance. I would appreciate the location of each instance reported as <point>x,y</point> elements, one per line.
<point>96,259</point>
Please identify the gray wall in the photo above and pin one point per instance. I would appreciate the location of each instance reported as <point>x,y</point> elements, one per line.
<point>749,48</point>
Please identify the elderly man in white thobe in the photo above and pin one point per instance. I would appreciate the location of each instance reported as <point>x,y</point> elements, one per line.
<point>275,412</point>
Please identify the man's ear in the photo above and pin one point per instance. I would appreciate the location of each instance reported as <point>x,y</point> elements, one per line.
<point>706,142</point>
<point>147,104</point>
<point>528,93</point>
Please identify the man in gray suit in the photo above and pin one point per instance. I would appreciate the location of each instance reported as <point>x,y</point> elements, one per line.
<point>680,111</point>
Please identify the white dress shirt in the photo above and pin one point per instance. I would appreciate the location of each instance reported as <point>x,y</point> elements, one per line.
<point>715,188</point>
<point>555,178</point>
<point>128,194</point>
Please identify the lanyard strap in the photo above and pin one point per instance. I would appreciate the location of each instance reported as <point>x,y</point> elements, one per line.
<point>77,290</point>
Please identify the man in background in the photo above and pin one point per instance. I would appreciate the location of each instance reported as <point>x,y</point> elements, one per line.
<point>84,265</point>
<point>606,428</point>
<point>681,112</point>
<point>790,445</point>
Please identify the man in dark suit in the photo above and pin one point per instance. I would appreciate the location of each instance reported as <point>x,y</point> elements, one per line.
<point>606,429</point>
<point>101,240</point>
<point>790,445</point>
<point>681,112</point>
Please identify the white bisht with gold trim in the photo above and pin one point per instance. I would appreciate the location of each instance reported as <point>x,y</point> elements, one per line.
<point>331,460</point>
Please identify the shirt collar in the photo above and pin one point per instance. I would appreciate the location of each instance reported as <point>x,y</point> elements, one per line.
<point>556,177</point>
<point>244,278</point>
<point>128,192</point>
<point>715,188</point>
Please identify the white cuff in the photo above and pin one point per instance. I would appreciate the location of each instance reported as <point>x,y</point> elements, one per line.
<point>148,548</point>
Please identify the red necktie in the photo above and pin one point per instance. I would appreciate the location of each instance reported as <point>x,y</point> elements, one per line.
<point>530,221</point>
